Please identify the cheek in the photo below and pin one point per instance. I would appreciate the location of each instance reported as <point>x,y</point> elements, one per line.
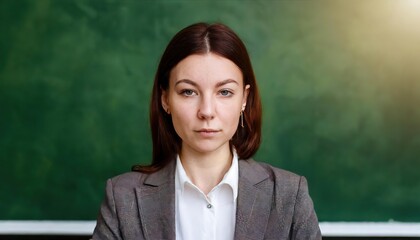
<point>231,108</point>
<point>231,114</point>
<point>181,116</point>
<point>179,125</point>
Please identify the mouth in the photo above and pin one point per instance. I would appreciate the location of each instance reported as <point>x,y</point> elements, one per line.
<point>206,132</point>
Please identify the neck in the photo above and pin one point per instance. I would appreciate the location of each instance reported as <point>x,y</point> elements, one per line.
<point>206,170</point>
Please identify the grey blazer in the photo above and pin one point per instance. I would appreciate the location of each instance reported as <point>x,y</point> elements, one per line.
<point>272,204</point>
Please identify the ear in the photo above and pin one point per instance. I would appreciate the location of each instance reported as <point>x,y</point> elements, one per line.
<point>164,101</point>
<point>245,96</point>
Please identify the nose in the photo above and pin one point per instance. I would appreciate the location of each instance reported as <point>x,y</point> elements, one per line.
<point>206,109</point>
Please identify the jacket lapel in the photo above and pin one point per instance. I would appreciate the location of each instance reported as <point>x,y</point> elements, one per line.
<point>156,204</point>
<point>254,201</point>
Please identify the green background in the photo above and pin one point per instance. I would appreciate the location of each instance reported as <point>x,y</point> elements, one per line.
<point>340,84</point>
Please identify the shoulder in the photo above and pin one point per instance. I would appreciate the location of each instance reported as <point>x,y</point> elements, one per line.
<point>128,180</point>
<point>286,182</point>
<point>137,179</point>
<point>292,204</point>
<point>274,173</point>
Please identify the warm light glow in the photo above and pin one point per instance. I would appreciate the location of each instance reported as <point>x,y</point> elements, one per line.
<point>412,3</point>
<point>410,7</point>
<point>406,15</point>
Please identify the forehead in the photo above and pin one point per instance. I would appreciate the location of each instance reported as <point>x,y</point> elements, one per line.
<point>206,68</point>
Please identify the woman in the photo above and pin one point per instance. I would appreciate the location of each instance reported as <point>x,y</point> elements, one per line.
<point>205,118</point>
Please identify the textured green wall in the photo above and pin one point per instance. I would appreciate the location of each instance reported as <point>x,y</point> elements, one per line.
<point>340,83</point>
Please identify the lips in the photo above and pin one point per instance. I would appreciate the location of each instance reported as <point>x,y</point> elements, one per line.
<point>206,132</point>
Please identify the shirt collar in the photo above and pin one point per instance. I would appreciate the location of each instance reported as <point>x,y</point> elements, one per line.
<point>231,177</point>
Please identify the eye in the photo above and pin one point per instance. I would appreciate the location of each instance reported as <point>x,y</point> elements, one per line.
<point>225,92</point>
<point>188,92</point>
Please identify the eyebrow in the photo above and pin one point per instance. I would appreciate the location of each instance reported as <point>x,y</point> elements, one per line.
<point>186,81</point>
<point>219,84</point>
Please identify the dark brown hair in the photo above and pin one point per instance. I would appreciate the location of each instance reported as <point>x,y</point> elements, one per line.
<point>202,38</point>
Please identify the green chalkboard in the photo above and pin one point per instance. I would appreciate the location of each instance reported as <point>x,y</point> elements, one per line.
<point>340,84</point>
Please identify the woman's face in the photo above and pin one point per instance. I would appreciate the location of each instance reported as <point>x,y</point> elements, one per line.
<point>205,99</point>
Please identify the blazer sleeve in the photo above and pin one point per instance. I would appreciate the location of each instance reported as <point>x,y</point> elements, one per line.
<point>305,221</point>
<point>107,225</point>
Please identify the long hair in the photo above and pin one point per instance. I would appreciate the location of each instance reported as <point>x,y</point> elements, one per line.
<point>202,38</point>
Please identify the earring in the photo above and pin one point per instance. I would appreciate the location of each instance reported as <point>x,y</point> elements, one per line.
<point>242,118</point>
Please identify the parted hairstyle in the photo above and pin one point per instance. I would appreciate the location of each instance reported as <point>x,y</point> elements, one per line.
<point>202,38</point>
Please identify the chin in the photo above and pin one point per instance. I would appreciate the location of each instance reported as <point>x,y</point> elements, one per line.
<point>208,148</point>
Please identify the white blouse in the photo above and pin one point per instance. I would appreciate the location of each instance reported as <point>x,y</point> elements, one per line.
<point>211,217</point>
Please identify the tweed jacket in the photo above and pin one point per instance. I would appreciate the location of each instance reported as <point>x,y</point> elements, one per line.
<point>271,204</point>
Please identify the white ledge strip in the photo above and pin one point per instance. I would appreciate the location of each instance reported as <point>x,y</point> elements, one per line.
<point>328,229</point>
<point>370,229</point>
<point>47,227</point>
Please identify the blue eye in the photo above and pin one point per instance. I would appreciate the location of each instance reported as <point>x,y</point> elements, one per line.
<point>225,93</point>
<point>187,92</point>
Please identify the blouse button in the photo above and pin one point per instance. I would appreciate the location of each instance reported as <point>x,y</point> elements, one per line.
<point>209,206</point>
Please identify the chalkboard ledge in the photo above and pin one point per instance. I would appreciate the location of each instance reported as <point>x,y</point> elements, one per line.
<point>370,229</point>
<point>328,229</point>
